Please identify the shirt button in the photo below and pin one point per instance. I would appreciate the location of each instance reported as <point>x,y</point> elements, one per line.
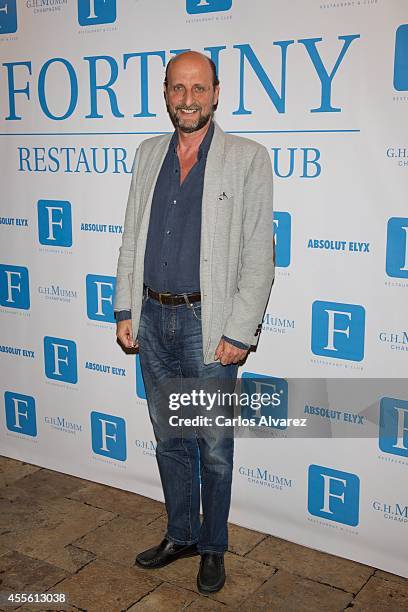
<point>164,263</point>
<point>168,232</point>
<point>174,201</point>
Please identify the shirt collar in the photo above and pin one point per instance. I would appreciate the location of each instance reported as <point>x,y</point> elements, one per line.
<point>205,143</point>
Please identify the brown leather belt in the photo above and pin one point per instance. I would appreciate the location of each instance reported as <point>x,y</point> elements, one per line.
<point>173,299</point>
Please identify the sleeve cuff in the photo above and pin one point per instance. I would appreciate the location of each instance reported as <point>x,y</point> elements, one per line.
<point>122,315</point>
<point>237,343</point>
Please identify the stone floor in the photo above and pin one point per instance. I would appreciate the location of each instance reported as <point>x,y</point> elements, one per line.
<point>60,534</point>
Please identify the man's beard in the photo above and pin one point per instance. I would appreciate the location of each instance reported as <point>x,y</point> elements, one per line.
<point>193,127</point>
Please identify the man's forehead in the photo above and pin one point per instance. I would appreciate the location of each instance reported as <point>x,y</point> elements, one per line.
<point>189,67</point>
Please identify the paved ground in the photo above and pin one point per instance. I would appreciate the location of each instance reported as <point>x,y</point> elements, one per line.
<point>60,534</point>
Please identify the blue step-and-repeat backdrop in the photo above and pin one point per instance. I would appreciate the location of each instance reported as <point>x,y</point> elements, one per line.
<point>323,84</point>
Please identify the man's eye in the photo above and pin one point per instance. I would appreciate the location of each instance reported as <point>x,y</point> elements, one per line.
<point>199,89</point>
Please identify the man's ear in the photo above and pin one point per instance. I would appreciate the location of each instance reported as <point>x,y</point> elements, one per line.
<point>216,96</point>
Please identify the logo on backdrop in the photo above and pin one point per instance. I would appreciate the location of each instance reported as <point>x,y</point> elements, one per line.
<point>393,431</point>
<point>57,293</point>
<point>333,495</point>
<point>104,368</point>
<point>276,324</point>
<point>392,512</point>
<point>20,413</point>
<point>397,247</point>
<point>50,7</point>
<point>8,16</point>
<point>140,388</point>
<point>207,6</point>
<point>103,228</point>
<point>60,359</point>
<point>351,246</point>
<point>16,351</point>
<point>108,435</point>
<point>333,415</point>
<point>351,6</point>
<point>262,477</point>
<point>73,160</point>
<point>62,424</point>
<point>96,12</point>
<point>99,297</point>
<point>338,330</point>
<point>247,68</point>
<point>146,447</point>
<point>399,154</point>
<point>14,287</point>
<point>400,60</point>
<point>15,221</point>
<point>395,341</point>
<point>302,160</point>
<point>282,225</point>
<point>253,383</point>
<point>54,223</point>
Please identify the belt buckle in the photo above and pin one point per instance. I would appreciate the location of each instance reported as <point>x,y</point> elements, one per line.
<point>160,296</point>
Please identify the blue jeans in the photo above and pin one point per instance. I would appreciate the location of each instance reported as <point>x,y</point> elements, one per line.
<point>170,348</point>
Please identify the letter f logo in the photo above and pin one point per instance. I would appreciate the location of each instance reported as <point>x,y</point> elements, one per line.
<point>8,16</point>
<point>338,330</point>
<point>207,6</point>
<point>54,223</point>
<point>96,12</point>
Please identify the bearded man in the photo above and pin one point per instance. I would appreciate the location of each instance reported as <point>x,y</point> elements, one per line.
<point>194,275</point>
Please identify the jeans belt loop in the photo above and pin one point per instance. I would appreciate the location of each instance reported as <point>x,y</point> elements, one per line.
<point>186,300</point>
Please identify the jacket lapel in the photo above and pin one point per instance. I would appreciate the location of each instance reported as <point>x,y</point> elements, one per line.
<point>153,167</point>
<point>213,178</point>
<point>152,171</point>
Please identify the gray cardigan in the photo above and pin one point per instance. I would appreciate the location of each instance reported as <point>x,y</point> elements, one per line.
<point>236,251</point>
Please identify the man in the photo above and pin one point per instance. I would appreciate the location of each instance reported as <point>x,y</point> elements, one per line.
<point>194,276</point>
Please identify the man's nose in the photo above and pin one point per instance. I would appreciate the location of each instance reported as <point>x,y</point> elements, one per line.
<point>188,97</point>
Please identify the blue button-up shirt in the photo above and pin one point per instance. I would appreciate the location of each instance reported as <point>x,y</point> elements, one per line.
<point>172,256</point>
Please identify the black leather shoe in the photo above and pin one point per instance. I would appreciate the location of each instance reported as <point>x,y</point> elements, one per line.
<point>163,554</point>
<point>211,575</point>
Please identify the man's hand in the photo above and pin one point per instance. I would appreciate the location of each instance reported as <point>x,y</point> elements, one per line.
<point>124,334</point>
<point>228,353</point>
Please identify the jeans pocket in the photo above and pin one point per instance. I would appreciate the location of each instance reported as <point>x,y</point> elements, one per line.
<point>144,298</point>
<point>196,310</point>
